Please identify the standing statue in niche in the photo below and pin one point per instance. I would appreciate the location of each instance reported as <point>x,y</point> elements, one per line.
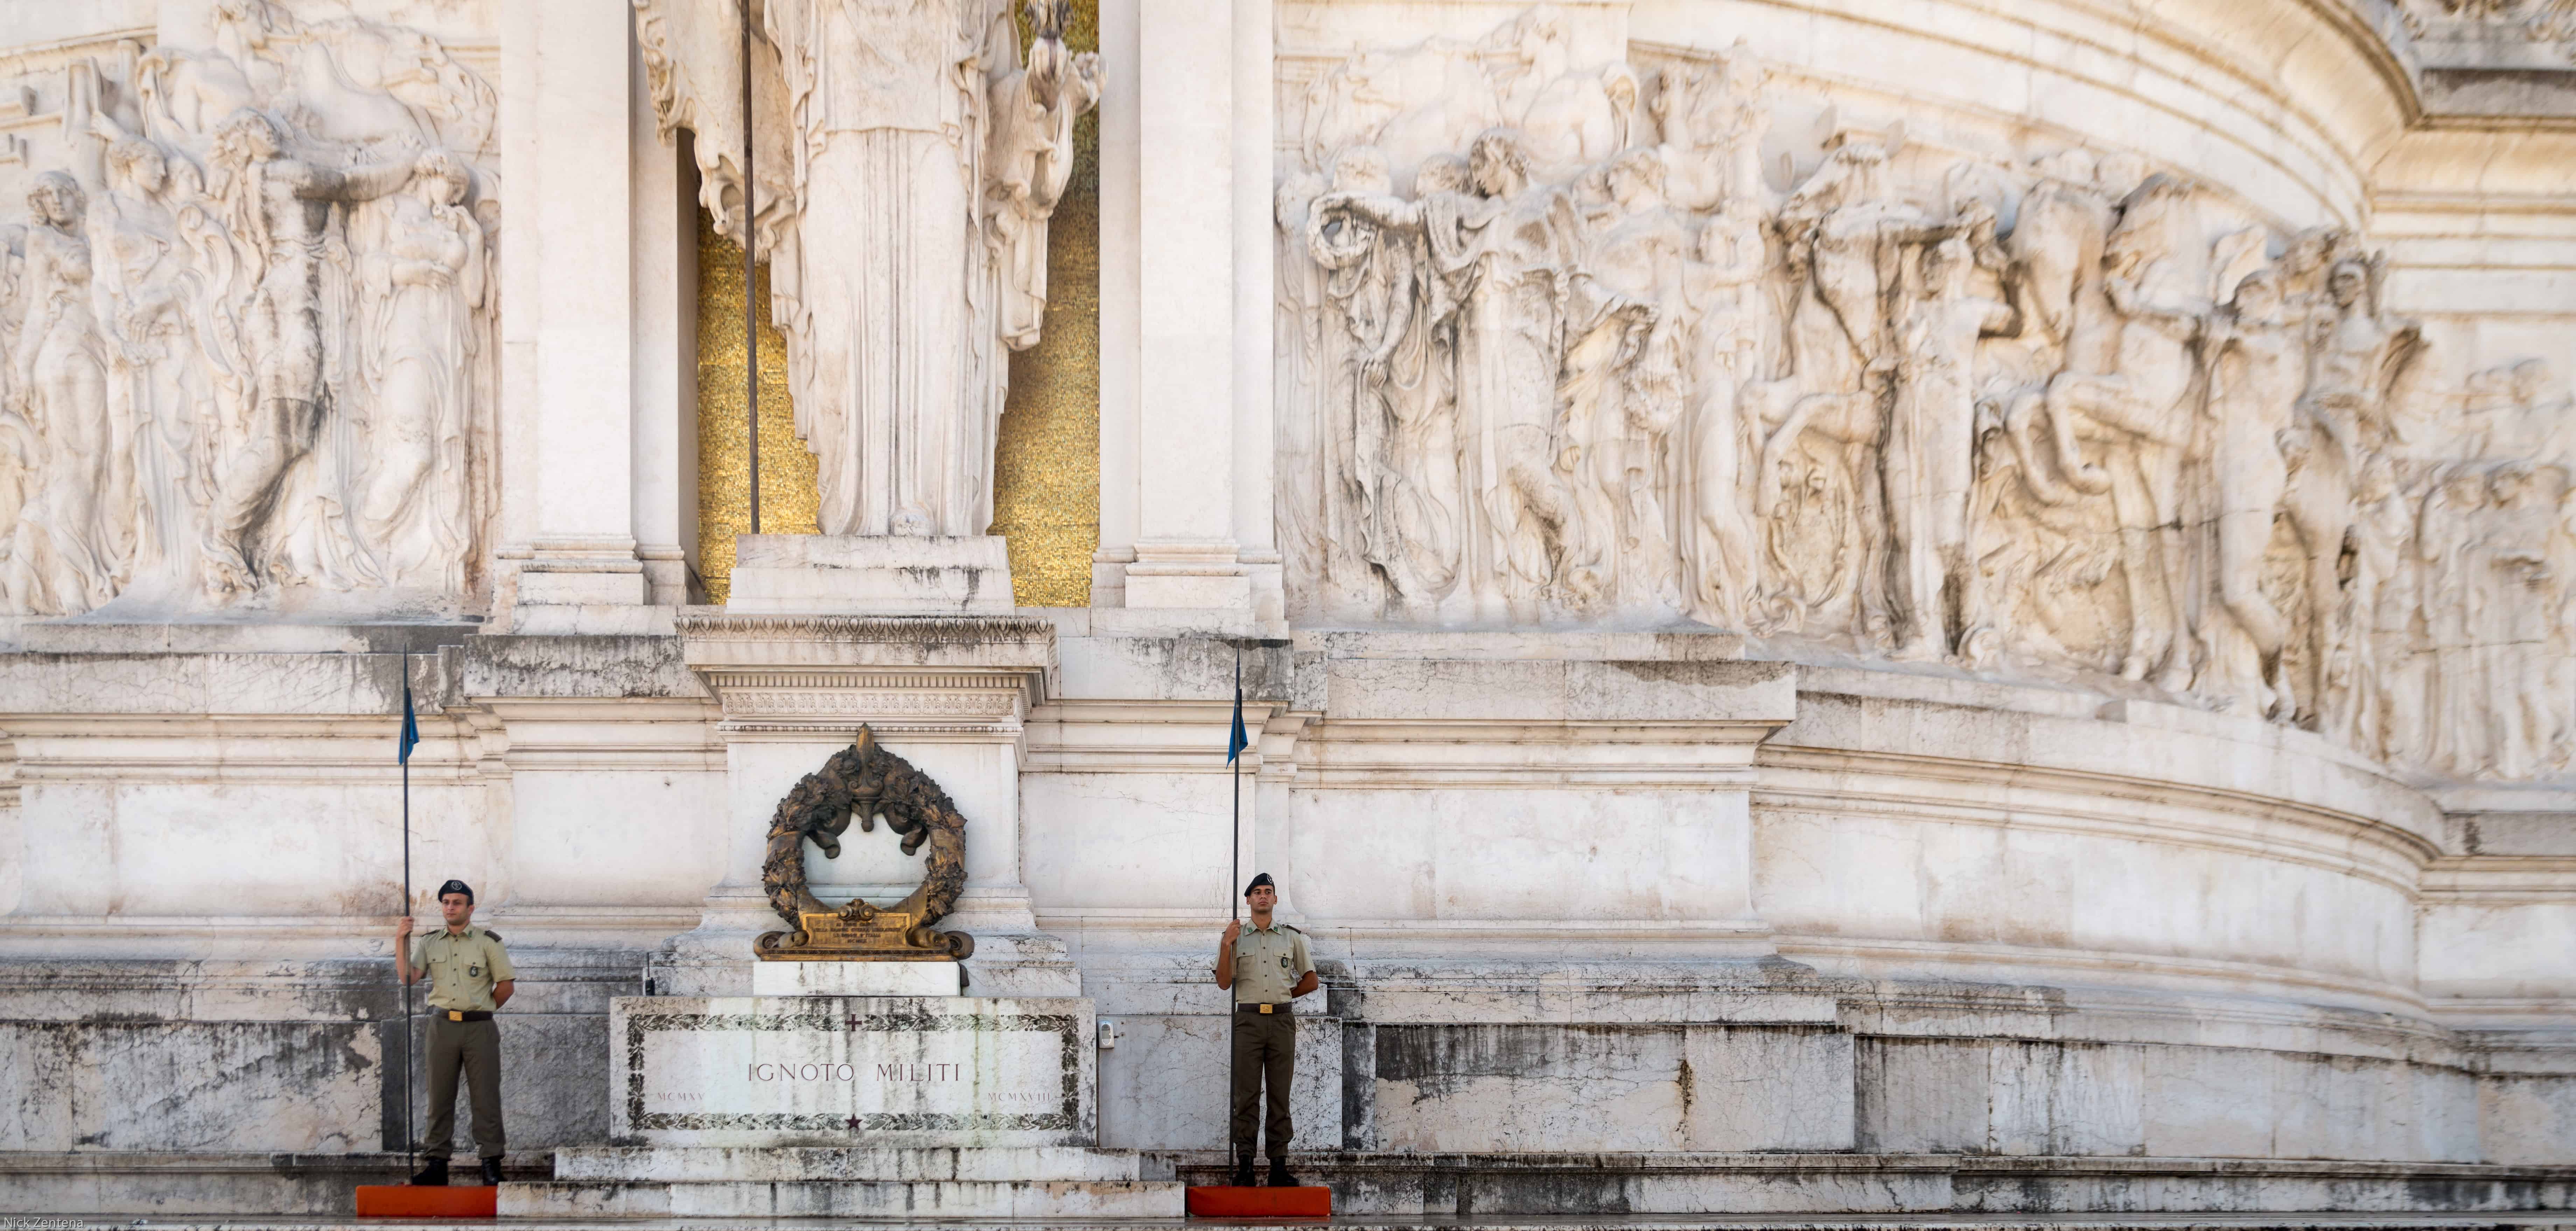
<point>906,230</point>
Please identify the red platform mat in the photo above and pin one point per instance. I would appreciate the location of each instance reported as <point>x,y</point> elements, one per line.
<point>1227,1201</point>
<point>430,1201</point>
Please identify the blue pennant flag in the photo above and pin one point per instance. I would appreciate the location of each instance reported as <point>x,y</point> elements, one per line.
<point>411,727</point>
<point>1237,743</point>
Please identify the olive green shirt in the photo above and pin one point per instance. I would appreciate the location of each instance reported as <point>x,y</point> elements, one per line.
<point>1268,962</point>
<point>461,968</point>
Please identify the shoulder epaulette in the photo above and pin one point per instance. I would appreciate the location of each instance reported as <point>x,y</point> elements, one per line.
<point>494,935</point>
<point>1290,927</point>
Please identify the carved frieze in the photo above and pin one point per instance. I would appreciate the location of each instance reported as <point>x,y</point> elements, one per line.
<point>250,350</point>
<point>904,674</point>
<point>1568,342</point>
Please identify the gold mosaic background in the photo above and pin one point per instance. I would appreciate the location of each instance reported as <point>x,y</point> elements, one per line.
<point>1046,465</point>
<point>789,503</point>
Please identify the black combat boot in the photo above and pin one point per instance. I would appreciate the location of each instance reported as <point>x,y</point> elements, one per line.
<point>432,1172</point>
<point>1279,1177</point>
<point>491,1171</point>
<point>1243,1169</point>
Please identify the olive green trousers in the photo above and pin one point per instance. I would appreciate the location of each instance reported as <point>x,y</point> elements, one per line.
<point>475,1048</point>
<point>1265,1054</point>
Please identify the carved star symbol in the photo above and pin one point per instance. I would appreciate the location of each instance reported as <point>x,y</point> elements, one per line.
<point>852,1123</point>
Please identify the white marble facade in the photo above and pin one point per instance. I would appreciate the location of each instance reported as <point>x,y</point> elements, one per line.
<point>1979,588</point>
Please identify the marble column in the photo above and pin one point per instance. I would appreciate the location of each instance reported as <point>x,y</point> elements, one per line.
<point>568,388</point>
<point>1187,379</point>
<point>664,262</point>
<point>1121,156</point>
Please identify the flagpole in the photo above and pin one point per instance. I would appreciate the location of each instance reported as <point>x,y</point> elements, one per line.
<point>411,1139</point>
<point>1233,892</point>
<point>750,305</point>
<point>1234,763</point>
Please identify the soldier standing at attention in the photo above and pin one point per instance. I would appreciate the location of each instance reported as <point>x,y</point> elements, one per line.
<point>469,977</point>
<point>1266,968</point>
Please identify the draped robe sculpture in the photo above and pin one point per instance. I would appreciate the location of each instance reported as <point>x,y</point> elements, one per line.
<point>909,164</point>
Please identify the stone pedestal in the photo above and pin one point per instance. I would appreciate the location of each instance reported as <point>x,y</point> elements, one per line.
<point>842,574</point>
<point>856,979</point>
<point>875,1071</point>
<point>950,693</point>
<point>849,1106</point>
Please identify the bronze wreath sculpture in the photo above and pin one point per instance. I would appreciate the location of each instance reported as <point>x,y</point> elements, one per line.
<point>869,783</point>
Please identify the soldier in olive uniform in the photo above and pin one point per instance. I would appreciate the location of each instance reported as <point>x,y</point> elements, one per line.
<point>1266,968</point>
<point>469,977</point>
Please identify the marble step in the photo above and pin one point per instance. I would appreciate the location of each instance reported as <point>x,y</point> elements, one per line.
<point>1398,1185</point>
<point>712,1164</point>
<point>2294,1221</point>
<point>900,1199</point>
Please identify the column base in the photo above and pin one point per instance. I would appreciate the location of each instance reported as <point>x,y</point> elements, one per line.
<point>1198,575</point>
<point>584,588</point>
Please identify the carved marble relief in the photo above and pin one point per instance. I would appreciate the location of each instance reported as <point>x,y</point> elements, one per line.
<point>1572,344</point>
<point>2546,26</point>
<point>249,325</point>
<point>909,162</point>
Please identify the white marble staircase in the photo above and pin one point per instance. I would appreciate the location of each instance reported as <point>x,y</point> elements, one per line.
<point>998,1182</point>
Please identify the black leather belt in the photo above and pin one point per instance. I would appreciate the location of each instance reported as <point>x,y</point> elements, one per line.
<point>465,1015</point>
<point>1262,1008</point>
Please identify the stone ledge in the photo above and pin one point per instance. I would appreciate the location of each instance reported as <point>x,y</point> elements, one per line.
<point>907,1199</point>
<point>92,636</point>
<point>2380,1195</point>
<point>1394,1183</point>
<point>2318,1221</point>
<point>711,1164</point>
<point>220,1183</point>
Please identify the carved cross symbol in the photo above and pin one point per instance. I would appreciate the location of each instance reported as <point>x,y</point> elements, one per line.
<point>850,1023</point>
